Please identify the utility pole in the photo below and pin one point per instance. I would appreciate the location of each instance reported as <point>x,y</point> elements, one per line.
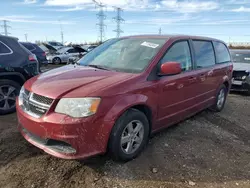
<point>5,26</point>
<point>26,37</point>
<point>118,19</point>
<point>101,16</point>
<point>62,37</point>
<point>160,31</point>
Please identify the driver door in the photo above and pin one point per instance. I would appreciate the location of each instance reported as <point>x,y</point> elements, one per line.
<point>177,92</point>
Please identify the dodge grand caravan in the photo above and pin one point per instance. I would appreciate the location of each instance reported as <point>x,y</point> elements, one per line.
<point>121,92</point>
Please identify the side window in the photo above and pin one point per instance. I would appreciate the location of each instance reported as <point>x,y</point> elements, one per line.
<point>4,49</point>
<point>222,53</point>
<point>179,52</point>
<point>30,47</point>
<point>204,54</point>
<point>72,51</point>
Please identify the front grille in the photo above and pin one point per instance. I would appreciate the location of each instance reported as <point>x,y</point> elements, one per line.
<point>35,105</point>
<point>42,99</point>
<point>237,75</point>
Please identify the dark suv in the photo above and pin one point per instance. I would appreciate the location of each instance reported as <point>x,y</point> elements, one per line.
<point>17,64</point>
<point>40,54</point>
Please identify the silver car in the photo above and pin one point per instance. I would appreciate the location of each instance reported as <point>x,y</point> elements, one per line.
<point>63,55</point>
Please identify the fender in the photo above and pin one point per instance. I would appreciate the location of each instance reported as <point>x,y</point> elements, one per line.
<point>13,74</point>
<point>124,104</point>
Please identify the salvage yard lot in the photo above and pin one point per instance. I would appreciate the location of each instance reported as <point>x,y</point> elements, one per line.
<point>207,150</point>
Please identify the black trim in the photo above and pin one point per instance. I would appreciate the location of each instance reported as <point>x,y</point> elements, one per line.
<point>13,74</point>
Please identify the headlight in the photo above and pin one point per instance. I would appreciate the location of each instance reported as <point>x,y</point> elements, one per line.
<point>78,107</point>
<point>20,97</point>
<point>244,77</point>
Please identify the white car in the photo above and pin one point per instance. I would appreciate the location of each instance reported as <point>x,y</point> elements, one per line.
<point>63,55</point>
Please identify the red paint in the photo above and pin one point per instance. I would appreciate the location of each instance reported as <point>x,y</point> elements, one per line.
<point>170,99</point>
<point>170,68</point>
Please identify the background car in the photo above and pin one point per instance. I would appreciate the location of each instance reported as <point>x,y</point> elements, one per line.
<point>63,55</point>
<point>17,64</point>
<point>35,49</point>
<point>56,45</point>
<point>241,70</point>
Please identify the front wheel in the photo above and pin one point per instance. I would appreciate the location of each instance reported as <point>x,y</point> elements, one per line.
<point>9,90</point>
<point>220,99</point>
<point>129,135</point>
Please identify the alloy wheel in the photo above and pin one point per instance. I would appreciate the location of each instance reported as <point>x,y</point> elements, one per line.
<point>7,97</point>
<point>221,98</point>
<point>132,137</point>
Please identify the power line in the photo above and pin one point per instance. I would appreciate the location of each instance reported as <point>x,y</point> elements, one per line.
<point>101,16</point>
<point>5,26</point>
<point>118,20</point>
<point>62,35</point>
<point>160,31</point>
<point>26,37</point>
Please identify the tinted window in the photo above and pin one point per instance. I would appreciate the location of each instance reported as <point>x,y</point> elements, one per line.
<point>204,54</point>
<point>180,53</point>
<point>222,53</point>
<point>72,50</point>
<point>30,47</point>
<point>4,49</point>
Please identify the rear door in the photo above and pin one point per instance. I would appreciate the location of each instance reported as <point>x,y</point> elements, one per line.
<point>223,62</point>
<point>205,69</point>
<point>177,92</point>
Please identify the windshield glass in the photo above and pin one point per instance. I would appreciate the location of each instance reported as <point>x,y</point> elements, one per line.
<point>240,57</point>
<point>125,55</point>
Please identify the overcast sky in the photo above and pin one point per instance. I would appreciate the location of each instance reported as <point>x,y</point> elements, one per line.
<point>40,19</point>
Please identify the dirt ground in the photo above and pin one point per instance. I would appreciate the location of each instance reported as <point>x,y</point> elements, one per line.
<point>207,150</point>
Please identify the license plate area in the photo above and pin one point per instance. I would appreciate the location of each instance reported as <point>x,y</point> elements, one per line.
<point>237,82</point>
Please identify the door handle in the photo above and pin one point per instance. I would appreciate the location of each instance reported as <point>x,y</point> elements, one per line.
<point>210,73</point>
<point>203,77</point>
<point>192,79</point>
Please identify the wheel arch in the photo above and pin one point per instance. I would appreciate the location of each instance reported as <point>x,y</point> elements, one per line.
<point>14,76</point>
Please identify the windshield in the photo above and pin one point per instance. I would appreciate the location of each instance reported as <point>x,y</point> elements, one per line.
<point>125,55</point>
<point>241,57</point>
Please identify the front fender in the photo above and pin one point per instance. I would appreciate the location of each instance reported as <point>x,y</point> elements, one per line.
<point>124,104</point>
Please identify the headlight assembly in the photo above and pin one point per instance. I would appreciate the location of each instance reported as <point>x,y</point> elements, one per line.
<point>78,107</point>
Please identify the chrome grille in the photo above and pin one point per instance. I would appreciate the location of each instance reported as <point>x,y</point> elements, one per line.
<point>42,99</point>
<point>35,105</point>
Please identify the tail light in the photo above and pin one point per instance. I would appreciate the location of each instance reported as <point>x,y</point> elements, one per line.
<point>43,54</point>
<point>231,68</point>
<point>32,57</point>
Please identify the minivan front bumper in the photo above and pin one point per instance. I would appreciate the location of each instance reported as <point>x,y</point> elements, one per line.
<point>65,137</point>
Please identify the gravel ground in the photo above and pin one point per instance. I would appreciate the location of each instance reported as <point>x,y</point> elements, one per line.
<point>207,150</point>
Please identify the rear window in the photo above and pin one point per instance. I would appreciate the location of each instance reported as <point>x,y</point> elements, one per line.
<point>30,47</point>
<point>222,53</point>
<point>4,49</point>
<point>204,54</point>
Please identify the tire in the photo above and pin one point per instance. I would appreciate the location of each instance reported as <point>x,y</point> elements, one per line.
<point>56,61</point>
<point>122,152</point>
<point>9,90</point>
<point>220,102</point>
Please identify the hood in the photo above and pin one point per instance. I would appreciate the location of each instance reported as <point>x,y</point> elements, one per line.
<point>241,66</point>
<point>50,48</point>
<point>63,81</point>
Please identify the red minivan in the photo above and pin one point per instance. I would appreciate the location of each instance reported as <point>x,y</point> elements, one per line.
<point>120,93</point>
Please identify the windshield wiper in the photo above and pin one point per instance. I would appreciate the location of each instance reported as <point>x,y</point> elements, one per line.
<point>98,67</point>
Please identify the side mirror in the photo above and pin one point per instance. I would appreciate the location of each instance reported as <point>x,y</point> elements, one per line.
<point>170,68</point>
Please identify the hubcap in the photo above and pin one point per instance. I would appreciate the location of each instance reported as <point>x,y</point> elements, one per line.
<point>132,137</point>
<point>7,97</point>
<point>221,98</point>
